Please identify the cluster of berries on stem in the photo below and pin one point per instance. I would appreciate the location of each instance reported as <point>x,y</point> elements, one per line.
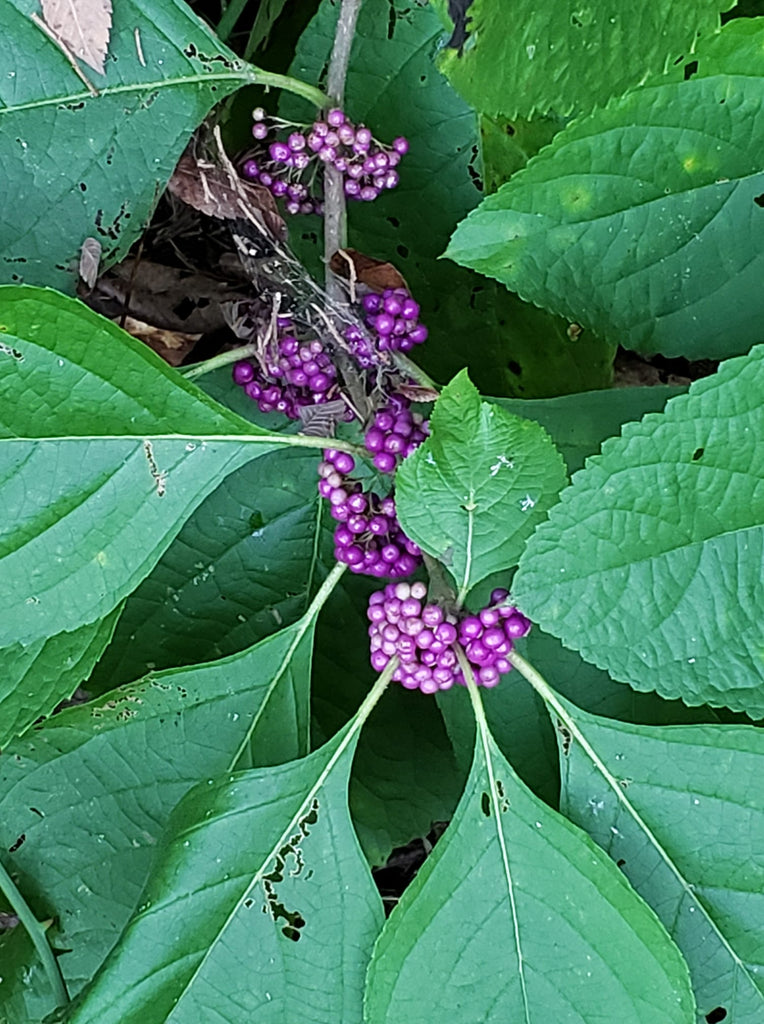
<point>423,637</point>
<point>292,375</point>
<point>288,155</point>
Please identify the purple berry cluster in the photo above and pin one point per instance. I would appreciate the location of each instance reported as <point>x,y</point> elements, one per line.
<point>368,537</point>
<point>290,153</point>
<point>423,638</point>
<point>394,317</point>
<point>393,436</point>
<point>301,374</point>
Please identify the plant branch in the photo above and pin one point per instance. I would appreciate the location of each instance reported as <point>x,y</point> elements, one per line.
<point>36,933</point>
<point>272,80</point>
<point>335,223</point>
<point>223,359</point>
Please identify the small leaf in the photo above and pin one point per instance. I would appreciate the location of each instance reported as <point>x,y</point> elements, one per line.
<point>472,494</point>
<point>260,904</point>
<point>681,811</point>
<point>640,221</point>
<point>517,916</point>
<point>83,26</point>
<point>92,788</point>
<point>650,565</point>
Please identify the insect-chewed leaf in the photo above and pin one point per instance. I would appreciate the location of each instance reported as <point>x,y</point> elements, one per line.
<point>650,564</point>
<point>681,811</point>
<point>260,905</point>
<point>123,762</point>
<point>472,494</point>
<point>517,916</point>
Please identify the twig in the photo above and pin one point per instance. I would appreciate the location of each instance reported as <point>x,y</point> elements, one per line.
<point>335,226</point>
<point>66,52</point>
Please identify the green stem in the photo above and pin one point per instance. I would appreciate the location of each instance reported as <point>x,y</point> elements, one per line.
<point>302,627</point>
<point>222,359</point>
<point>37,934</point>
<point>272,80</point>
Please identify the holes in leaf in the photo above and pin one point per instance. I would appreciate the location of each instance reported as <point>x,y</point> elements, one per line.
<point>716,1015</point>
<point>514,367</point>
<point>19,843</point>
<point>83,187</point>
<point>576,22</point>
<point>698,454</point>
<point>394,221</point>
<point>759,200</point>
<point>485,805</point>
<point>620,863</point>
<point>690,69</point>
<point>566,738</point>
<point>392,17</point>
<point>509,129</point>
<point>402,251</point>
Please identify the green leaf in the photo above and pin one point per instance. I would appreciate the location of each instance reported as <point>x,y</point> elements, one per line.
<point>472,494</point>
<point>578,424</point>
<point>91,789</point>
<point>260,905</point>
<point>642,221</point>
<point>246,563</point>
<point>509,346</point>
<point>37,678</point>
<point>104,452</point>
<point>569,57</point>
<point>650,565</point>
<point>680,809</point>
<point>165,69</point>
<point>518,916</point>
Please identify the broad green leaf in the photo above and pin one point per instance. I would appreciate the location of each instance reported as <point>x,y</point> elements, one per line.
<point>91,789</point>
<point>246,563</point>
<point>472,494</point>
<point>567,57</point>
<point>510,347</point>
<point>104,452</point>
<point>260,906</point>
<point>578,424</point>
<point>681,811</point>
<point>642,221</point>
<point>518,916</point>
<point>404,775</point>
<point>164,71</point>
<point>37,678</point>
<point>650,565</point>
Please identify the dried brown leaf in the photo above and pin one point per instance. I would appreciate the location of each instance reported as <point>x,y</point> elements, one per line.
<point>211,190</point>
<point>83,26</point>
<point>172,346</point>
<point>360,269</point>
